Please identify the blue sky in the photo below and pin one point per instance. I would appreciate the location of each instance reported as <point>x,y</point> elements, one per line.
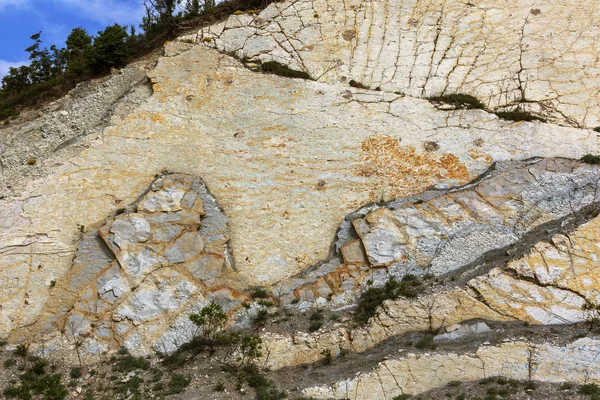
<point>19,19</point>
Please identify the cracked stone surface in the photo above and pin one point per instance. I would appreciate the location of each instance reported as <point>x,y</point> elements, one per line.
<point>444,232</point>
<point>546,286</point>
<point>288,159</point>
<point>130,282</point>
<point>542,56</point>
<point>413,374</point>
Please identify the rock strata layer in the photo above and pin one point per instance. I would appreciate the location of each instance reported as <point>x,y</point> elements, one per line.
<point>505,55</point>
<point>413,374</point>
<point>448,232</point>
<point>288,159</point>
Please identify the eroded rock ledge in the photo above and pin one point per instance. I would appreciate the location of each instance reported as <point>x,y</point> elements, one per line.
<point>413,374</point>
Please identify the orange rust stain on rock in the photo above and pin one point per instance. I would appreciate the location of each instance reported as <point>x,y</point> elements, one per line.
<point>477,153</point>
<point>455,169</point>
<point>275,128</point>
<point>402,171</point>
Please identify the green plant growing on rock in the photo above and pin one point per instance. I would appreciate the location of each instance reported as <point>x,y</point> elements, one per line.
<point>178,383</point>
<point>34,383</point>
<point>591,159</point>
<point>373,297</point>
<point>316,321</point>
<point>211,321</point>
<point>426,343</point>
<point>459,101</point>
<point>125,362</point>
<point>518,115</point>
<point>327,356</point>
<point>592,314</point>
<point>258,292</point>
<point>261,317</point>
<point>264,388</point>
<point>250,350</point>
<point>22,350</point>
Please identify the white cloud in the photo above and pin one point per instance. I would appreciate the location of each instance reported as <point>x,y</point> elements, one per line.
<point>124,12</point>
<point>5,65</point>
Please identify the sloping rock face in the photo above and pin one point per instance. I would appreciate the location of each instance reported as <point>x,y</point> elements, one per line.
<point>92,258</point>
<point>135,281</point>
<point>288,159</point>
<point>414,374</point>
<point>61,126</point>
<point>549,285</point>
<point>447,232</point>
<point>505,55</point>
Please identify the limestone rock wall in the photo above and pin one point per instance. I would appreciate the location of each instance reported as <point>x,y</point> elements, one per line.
<point>414,374</point>
<point>539,55</point>
<point>547,286</point>
<point>446,232</point>
<point>288,159</point>
<point>87,250</point>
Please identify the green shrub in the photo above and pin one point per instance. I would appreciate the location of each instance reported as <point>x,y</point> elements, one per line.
<point>219,387</point>
<point>261,317</point>
<point>327,356</point>
<point>47,387</point>
<point>250,349</point>
<point>264,388</point>
<point>22,350</point>
<point>178,383</point>
<point>6,113</point>
<point>211,320</point>
<point>591,159</point>
<point>589,389</point>
<point>373,297</point>
<point>75,373</point>
<point>597,129</point>
<point>459,100</point>
<point>128,363</point>
<point>258,292</point>
<point>518,115</point>
<point>426,343</point>
<point>402,397</point>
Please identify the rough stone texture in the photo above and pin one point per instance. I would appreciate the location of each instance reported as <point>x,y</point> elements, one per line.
<point>134,278</point>
<point>63,125</point>
<point>505,55</point>
<point>444,232</point>
<point>287,159</point>
<point>413,374</point>
<point>509,295</point>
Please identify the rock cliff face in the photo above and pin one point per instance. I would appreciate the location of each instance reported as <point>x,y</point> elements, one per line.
<point>318,183</point>
<point>505,54</point>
